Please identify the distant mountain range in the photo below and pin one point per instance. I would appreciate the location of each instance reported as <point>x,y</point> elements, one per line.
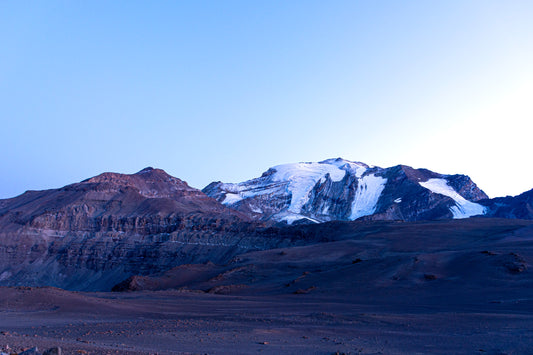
<point>93,234</point>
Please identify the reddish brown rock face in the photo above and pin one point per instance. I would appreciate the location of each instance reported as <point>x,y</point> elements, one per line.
<point>92,234</point>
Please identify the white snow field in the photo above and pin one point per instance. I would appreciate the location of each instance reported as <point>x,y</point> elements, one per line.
<point>463,208</point>
<point>367,195</point>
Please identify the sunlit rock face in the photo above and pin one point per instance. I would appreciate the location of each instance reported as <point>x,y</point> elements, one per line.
<point>337,189</point>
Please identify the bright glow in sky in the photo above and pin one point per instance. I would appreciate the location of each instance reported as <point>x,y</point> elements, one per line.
<point>222,90</point>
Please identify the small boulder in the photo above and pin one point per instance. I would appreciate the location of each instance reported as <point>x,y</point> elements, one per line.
<point>430,277</point>
<point>32,351</point>
<point>53,351</point>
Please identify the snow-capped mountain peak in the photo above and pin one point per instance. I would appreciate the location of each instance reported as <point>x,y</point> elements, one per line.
<point>339,189</point>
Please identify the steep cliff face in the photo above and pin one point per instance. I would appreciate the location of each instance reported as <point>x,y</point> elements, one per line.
<point>337,189</point>
<point>93,234</point>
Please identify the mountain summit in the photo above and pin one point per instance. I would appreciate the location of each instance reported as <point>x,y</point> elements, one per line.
<point>338,189</point>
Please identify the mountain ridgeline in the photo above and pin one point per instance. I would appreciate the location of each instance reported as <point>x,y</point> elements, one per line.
<point>99,232</point>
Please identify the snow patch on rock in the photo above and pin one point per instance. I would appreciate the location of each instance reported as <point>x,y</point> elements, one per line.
<point>463,208</point>
<point>290,218</point>
<point>366,198</point>
<point>237,192</point>
<point>231,198</point>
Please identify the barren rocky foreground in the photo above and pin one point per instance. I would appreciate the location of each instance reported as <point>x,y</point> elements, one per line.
<point>441,287</point>
<point>179,323</point>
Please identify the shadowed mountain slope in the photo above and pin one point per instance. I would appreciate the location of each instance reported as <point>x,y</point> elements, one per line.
<point>448,261</point>
<point>520,206</point>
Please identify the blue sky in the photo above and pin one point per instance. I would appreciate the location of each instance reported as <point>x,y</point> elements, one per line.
<point>222,90</point>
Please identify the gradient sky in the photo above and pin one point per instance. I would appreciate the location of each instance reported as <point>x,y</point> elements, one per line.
<point>222,90</point>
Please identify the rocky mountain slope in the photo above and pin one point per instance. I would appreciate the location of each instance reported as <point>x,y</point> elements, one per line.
<point>93,234</point>
<point>520,206</point>
<point>337,189</point>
